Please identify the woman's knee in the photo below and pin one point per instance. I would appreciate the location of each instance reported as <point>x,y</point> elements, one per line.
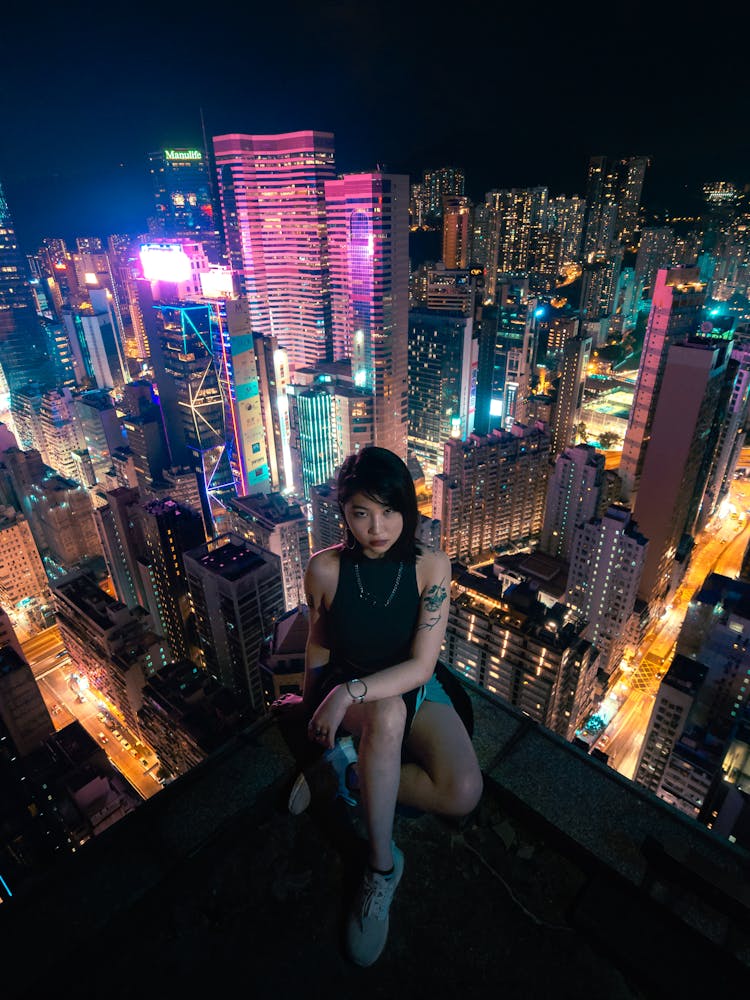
<point>462,791</point>
<point>385,718</point>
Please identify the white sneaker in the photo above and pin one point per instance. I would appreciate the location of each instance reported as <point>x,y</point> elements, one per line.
<point>326,778</point>
<point>367,927</point>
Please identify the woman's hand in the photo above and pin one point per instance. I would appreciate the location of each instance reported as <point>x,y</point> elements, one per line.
<point>291,706</point>
<point>328,716</point>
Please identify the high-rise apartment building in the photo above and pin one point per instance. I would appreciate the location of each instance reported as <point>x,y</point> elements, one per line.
<point>115,648</point>
<point>271,192</point>
<point>438,184</point>
<point>574,493</point>
<point>327,527</point>
<point>26,410</point>
<point>280,526</point>
<point>676,309</point>
<point>101,429</point>
<point>116,518</point>
<point>566,412</point>
<point>23,714</point>
<point>61,433</point>
<point>162,532</point>
<point>485,234</point>
<point>237,595</point>
<point>492,491</point>
<point>656,249</point>
<point>522,651</point>
<point>674,699</point>
<point>678,460</point>
<point>731,432</point>
<point>606,561</point>
<point>565,217</point>
<point>613,201</point>
<point>61,516</point>
<point>521,215</point>
<point>457,229</point>
<point>368,242</point>
<point>599,284</point>
<point>24,588</point>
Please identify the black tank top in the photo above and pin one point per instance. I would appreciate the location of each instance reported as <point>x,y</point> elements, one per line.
<point>365,634</point>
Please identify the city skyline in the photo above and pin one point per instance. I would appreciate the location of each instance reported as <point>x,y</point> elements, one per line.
<point>517,100</point>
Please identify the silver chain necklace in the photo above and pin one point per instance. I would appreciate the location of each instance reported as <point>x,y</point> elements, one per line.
<point>365,595</point>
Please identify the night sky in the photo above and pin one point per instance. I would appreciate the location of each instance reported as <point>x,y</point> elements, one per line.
<point>517,97</point>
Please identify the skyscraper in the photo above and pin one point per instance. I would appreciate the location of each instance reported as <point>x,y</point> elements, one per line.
<point>606,561</point>
<point>182,341</point>
<point>491,491</point>
<point>274,523</point>
<point>457,219</point>
<point>437,184</point>
<point>271,191</point>
<point>613,201</point>
<point>368,239</point>
<point>23,342</point>
<point>674,699</point>
<point>521,215</point>
<point>443,356</point>
<point>514,352</point>
<point>237,595</point>
<point>677,303</point>
<point>573,494</point>
<point>235,363</point>
<point>182,194</point>
<point>566,412</point>
<point>678,459</point>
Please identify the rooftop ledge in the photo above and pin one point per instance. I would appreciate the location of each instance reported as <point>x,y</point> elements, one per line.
<point>567,878</point>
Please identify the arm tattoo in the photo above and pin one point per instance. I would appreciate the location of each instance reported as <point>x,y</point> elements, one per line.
<point>435,596</point>
<point>433,601</point>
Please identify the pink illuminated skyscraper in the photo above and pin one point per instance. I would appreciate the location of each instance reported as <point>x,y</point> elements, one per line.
<point>368,245</point>
<point>271,191</point>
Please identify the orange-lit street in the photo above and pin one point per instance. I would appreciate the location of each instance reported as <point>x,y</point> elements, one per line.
<point>53,671</point>
<point>719,548</point>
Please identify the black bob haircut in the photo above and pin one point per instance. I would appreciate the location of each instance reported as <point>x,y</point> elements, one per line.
<point>383,477</point>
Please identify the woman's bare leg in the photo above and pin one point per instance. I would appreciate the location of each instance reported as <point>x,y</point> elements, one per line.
<point>445,777</point>
<point>380,727</point>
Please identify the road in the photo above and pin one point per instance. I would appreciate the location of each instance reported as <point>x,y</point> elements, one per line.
<point>627,707</point>
<point>54,671</point>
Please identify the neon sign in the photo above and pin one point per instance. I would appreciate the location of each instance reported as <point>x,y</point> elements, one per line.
<point>183,154</point>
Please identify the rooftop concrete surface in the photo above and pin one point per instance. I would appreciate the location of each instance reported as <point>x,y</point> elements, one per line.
<point>567,881</point>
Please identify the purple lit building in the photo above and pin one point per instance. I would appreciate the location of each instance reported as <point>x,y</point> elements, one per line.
<point>368,243</point>
<point>271,192</point>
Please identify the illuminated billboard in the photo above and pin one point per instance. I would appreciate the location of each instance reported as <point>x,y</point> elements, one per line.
<point>165,262</point>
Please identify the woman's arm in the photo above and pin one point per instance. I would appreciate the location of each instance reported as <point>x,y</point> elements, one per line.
<point>318,646</point>
<point>321,574</point>
<point>434,572</point>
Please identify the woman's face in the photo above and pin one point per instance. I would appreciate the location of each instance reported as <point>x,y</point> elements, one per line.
<point>376,526</point>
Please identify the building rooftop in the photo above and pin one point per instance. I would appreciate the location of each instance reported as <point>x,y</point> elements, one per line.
<point>231,557</point>
<point>568,880</point>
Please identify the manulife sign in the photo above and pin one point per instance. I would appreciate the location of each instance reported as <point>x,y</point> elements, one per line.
<point>183,154</point>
